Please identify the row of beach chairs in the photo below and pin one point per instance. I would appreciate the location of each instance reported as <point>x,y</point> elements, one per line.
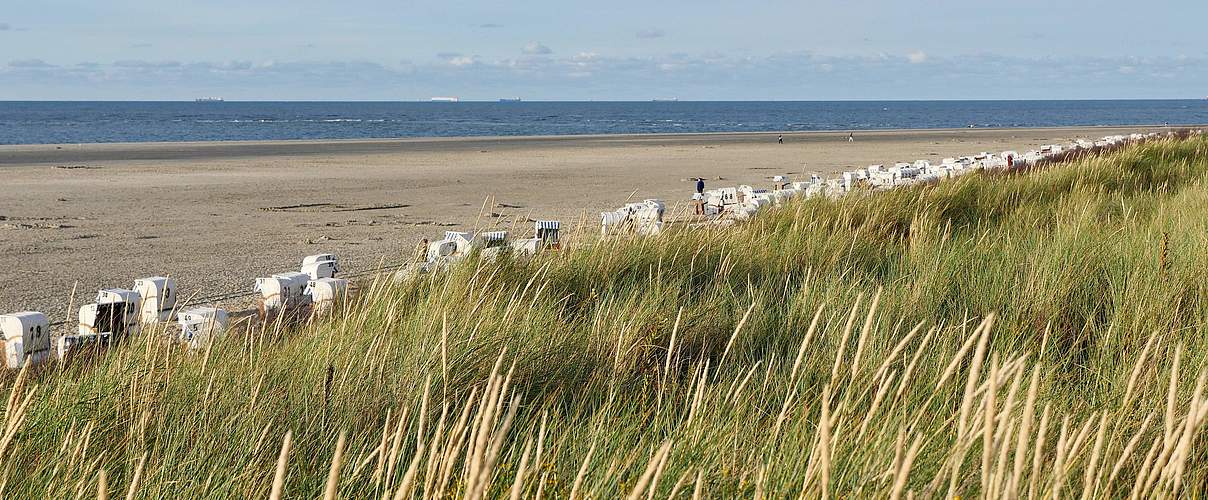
<point>490,245</point>
<point>645,217</point>
<point>116,313</point>
<point>312,291</point>
<point>729,204</point>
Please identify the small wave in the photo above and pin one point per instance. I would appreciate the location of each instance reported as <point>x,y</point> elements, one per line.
<point>306,120</point>
<point>237,120</point>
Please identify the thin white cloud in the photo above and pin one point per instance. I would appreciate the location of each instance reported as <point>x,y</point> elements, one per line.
<point>30,63</point>
<point>241,65</point>
<point>917,57</point>
<point>537,49</point>
<point>146,64</point>
<point>461,61</point>
<point>650,34</point>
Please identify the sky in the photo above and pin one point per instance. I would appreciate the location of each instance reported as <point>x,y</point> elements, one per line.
<point>615,50</point>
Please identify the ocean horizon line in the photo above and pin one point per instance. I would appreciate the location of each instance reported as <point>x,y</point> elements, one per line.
<point>505,100</point>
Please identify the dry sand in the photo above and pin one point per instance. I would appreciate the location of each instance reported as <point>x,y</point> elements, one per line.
<point>217,215</point>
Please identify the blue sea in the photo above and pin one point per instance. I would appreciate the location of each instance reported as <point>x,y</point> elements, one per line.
<point>88,122</point>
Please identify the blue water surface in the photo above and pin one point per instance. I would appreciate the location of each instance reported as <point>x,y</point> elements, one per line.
<point>87,122</point>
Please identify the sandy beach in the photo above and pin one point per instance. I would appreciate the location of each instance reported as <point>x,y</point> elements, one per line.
<point>217,215</point>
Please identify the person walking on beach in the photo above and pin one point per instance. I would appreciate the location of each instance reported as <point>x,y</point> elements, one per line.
<point>700,185</point>
<point>851,137</point>
<point>780,139</point>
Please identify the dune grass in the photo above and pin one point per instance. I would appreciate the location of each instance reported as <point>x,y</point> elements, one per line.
<point>993,335</point>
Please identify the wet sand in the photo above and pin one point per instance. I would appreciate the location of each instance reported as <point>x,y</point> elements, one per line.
<point>217,215</point>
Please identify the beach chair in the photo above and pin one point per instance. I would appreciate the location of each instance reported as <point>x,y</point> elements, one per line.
<point>613,222</point>
<point>322,257</point>
<point>547,231</point>
<point>729,196</point>
<point>68,345</point>
<point>441,250</point>
<point>25,337</point>
<point>719,200</point>
<point>527,247</point>
<point>881,179</point>
<point>115,311</point>
<point>130,298</point>
<point>201,325</point>
<point>325,293</point>
<point>281,292</point>
<point>157,296</point>
<point>745,212</point>
<point>836,188</point>
<point>815,190</point>
<point>463,240</point>
<point>90,317</point>
<point>746,192</point>
<point>493,239</point>
<point>650,217</point>
<point>657,206</point>
<point>321,269</point>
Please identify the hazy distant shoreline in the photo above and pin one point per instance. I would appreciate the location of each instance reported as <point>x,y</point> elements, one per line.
<point>32,154</point>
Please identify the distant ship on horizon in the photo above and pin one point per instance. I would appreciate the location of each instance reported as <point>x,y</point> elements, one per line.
<point>444,99</point>
<point>665,99</point>
<point>509,99</point>
<point>209,99</point>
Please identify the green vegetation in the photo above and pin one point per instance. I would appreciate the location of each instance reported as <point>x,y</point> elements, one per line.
<point>1035,333</point>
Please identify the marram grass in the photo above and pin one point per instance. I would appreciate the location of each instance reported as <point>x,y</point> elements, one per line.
<point>1030,335</point>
